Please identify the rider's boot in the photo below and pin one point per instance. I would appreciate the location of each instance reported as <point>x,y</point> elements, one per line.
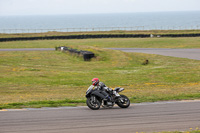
<point>108,100</point>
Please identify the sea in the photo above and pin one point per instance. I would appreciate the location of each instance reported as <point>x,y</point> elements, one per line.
<point>101,22</point>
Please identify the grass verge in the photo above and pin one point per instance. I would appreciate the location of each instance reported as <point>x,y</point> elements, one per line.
<point>191,131</point>
<point>192,42</point>
<point>50,77</point>
<point>31,76</point>
<point>39,104</point>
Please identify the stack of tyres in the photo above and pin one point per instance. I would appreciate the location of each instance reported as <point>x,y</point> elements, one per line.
<point>87,55</point>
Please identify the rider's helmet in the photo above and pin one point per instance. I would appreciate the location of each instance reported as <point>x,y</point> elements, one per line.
<point>95,81</point>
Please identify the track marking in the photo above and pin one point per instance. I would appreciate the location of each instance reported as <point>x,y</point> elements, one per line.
<point>4,110</point>
<point>13,110</point>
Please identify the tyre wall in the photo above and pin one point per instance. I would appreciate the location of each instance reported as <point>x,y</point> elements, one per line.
<point>87,55</point>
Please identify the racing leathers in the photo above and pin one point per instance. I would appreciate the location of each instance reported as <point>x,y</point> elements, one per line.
<point>103,91</point>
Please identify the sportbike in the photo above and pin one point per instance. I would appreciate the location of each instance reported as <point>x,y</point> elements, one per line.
<point>94,102</point>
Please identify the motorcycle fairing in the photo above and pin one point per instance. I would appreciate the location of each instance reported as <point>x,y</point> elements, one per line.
<point>118,89</point>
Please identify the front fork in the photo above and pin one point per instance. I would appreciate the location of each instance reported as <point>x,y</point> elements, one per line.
<point>94,101</point>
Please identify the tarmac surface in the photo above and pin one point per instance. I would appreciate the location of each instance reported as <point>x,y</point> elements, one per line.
<point>144,117</point>
<point>182,53</point>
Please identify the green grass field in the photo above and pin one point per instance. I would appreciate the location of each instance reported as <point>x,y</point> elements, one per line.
<point>53,78</point>
<point>188,42</point>
<point>190,131</point>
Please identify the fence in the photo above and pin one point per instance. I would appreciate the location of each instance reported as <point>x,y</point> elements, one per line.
<point>135,28</point>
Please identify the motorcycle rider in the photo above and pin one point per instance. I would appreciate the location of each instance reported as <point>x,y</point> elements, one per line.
<point>102,89</point>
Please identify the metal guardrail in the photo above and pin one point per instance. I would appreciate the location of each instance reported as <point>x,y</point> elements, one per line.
<point>85,36</point>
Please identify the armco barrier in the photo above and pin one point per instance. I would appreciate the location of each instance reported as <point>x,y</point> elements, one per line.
<point>87,55</point>
<point>95,36</point>
<point>180,35</point>
<point>75,37</point>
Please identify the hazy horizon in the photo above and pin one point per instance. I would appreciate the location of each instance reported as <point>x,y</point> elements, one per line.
<point>76,7</point>
<point>99,13</point>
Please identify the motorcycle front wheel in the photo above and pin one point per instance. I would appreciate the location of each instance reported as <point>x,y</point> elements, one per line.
<point>123,101</point>
<point>93,104</point>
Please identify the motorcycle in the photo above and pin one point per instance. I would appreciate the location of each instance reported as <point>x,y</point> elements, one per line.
<point>94,102</point>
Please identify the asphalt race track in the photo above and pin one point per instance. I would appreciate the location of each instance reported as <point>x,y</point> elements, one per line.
<point>144,117</point>
<point>182,53</point>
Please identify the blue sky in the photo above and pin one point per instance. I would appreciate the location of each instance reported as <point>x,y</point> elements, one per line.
<point>53,7</point>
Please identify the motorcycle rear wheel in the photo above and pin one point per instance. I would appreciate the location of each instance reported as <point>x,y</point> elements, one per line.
<point>124,104</point>
<point>92,105</point>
